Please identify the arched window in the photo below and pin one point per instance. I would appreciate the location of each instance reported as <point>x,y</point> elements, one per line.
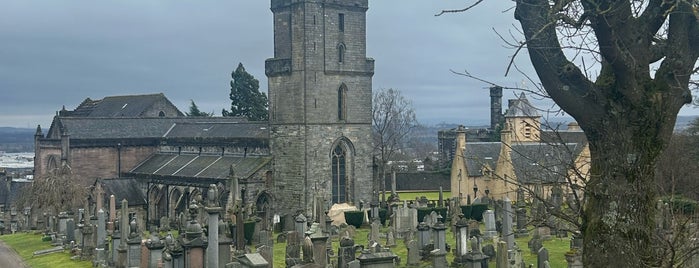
<point>341,52</point>
<point>161,114</point>
<point>342,102</point>
<point>339,175</point>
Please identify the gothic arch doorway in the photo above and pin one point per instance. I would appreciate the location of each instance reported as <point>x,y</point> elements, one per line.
<point>263,206</point>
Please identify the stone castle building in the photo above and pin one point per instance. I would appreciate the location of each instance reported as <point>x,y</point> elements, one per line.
<point>526,156</point>
<point>317,141</point>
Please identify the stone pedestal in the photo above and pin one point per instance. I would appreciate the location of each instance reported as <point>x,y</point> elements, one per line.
<point>155,250</point>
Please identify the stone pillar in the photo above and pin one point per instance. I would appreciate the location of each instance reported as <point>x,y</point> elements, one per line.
<point>213,210</point>
<point>123,250</point>
<point>320,251</point>
<point>423,235</point>
<point>194,242</point>
<point>134,244</point>
<point>112,213</point>
<point>300,226</point>
<point>507,230</point>
<point>501,258</point>
<point>440,202</point>
<point>461,239</point>
<point>489,221</point>
<point>439,236</point>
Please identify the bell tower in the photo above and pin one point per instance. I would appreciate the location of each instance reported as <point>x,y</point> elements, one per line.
<point>320,103</point>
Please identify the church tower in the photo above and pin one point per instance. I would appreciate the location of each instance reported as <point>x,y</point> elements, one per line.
<point>320,103</point>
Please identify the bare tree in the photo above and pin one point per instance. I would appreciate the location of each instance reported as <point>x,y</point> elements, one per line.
<point>393,119</point>
<point>55,192</point>
<point>646,52</point>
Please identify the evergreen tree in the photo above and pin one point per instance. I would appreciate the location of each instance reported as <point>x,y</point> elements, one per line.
<point>246,99</point>
<point>194,111</point>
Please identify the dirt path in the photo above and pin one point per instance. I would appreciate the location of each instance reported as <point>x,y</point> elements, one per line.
<point>9,258</point>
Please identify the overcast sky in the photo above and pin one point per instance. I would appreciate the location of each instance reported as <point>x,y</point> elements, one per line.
<point>55,53</point>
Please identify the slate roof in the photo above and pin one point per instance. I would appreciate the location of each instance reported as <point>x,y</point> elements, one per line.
<point>9,193</point>
<point>545,163</point>
<point>532,162</point>
<point>191,166</point>
<point>119,106</point>
<point>124,188</point>
<point>521,107</point>
<point>477,154</point>
<point>153,127</point>
<point>212,129</point>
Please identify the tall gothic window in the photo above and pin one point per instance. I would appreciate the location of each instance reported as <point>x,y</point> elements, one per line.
<point>339,175</point>
<point>341,52</point>
<point>342,102</point>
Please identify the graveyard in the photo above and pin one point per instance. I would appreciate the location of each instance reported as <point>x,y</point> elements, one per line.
<point>493,234</point>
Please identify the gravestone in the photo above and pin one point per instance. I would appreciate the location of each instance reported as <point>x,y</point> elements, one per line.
<point>413,253</point>
<point>542,258</point>
<point>489,220</point>
<point>70,230</point>
<point>374,233</point>
<point>390,238</point>
<point>507,230</point>
<point>501,259</point>
<point>346,252</point>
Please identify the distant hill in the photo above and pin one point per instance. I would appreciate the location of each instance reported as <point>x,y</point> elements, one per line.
<point>16,140</point>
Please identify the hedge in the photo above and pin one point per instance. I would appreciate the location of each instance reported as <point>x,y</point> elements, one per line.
<point>475,211</point>
<point>354,218</point>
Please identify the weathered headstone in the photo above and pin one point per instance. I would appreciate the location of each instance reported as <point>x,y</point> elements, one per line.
<point>489,220</point>
<point>501,259</point>
<point>374,233</point>
<point>507,230</point>
<point>70,230</point>
<point>413,253</point>
<point>346,252</point>
<point>542,258</point>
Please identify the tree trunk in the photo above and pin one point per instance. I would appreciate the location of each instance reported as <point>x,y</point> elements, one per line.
<point>618,220</point>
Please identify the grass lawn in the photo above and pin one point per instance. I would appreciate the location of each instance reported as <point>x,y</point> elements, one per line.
<point>26,243</point>
<point>431,195</point>
<point>557,248</point>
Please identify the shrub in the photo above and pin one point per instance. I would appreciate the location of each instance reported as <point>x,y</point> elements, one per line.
<point>354,218</point>
<point>474,211</point>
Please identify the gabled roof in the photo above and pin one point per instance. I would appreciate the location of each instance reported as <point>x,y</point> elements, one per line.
<point>478,154</point>
<point>119,106</point>
<point>521,107</point>
<point>532,162</point>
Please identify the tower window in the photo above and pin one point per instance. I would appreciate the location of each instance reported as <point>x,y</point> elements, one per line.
<point>341,22</point>
<point>341,52</point>
<point>342,102</point>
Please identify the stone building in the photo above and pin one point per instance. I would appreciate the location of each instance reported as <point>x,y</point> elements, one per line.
<point>526,156</point>
<point>320,102</point>
<point>317,141</point>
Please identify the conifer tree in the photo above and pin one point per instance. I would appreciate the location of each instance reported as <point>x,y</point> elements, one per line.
<point>246,99</point>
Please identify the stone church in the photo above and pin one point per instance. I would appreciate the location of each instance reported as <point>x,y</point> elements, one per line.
<point>317,142</point>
